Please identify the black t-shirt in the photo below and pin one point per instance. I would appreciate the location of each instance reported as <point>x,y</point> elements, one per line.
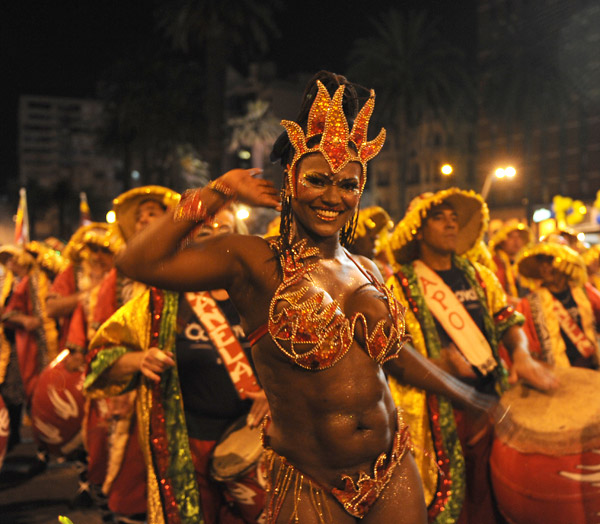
<point>456,280</point>
<point>575,357</point>
<point>211,402</point>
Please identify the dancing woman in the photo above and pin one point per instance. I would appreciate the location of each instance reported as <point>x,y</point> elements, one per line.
<point>321,321</point>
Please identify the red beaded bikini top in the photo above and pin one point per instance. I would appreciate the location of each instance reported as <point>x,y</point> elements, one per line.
<point>315,325</point>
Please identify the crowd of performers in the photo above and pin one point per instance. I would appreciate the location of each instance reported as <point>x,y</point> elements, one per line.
<point>339,367</point>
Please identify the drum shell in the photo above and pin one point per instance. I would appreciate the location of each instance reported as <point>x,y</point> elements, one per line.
<point>57,408</point>
<point>556,481</point>
<point>236,462</point>
<point>4,430</point>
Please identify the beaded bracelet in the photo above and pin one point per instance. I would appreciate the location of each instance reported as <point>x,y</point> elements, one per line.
<point>191,207</point>
<point>223,189</point>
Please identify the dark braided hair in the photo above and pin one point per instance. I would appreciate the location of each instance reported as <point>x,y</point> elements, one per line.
<point>283,151</point>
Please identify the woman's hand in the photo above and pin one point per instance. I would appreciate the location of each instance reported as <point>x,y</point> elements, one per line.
<point>154,362</point>
<point>251,190</point>
<point>260,407</point>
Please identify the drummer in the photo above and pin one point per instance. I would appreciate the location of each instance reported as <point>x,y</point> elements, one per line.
<point>505,242</point>
<point>204,333</point>
<point>456,315</point>
<point>562,312</point>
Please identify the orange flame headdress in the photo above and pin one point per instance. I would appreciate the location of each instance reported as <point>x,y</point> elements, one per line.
<point>326,118</point>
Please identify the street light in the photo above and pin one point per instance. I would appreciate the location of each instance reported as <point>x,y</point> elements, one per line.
<point>446,169</point>
<point>501,172</point>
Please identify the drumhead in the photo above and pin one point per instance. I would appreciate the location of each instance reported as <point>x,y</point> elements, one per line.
<point>561,422</point>
<point>237,452</point>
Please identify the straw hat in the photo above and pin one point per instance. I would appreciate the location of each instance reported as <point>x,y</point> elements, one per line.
<point>591,254</point>
<point>373,219</point>
<point>565,259</point>
<point>20,255</point>
<point>126,205</point>
<point>99,233</point>
<point>47,257</point>
<point>481,254</point>
<point>472,212</point>
<point>501,234</point>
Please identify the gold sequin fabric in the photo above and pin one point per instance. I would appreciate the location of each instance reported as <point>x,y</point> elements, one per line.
<point>313,332</point>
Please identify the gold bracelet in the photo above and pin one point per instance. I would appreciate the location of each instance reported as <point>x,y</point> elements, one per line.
<point>223,189</point>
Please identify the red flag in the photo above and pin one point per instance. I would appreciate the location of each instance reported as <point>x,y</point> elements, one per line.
<point>84,210</point>
<point>22,220</point>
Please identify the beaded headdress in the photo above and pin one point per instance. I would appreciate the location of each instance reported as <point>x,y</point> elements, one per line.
<point>326,118</point>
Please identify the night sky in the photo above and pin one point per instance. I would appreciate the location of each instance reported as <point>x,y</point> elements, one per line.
<point>61,48</point>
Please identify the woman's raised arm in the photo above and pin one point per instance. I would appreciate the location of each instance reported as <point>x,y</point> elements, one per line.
<point>154,255</point>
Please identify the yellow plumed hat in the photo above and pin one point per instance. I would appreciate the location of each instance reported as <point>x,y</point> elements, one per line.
<point>591,254</point>
<point>126,205</point>
<point>47,257</point>
<point>481,254</point>
<point>93,233</point>
<point>565,259</point>
<point>21,256</point>
<point>473,217</point>
<point>501,234</point>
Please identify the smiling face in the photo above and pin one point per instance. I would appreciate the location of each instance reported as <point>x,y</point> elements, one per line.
<point>439,232</point>
<point>325,201</point>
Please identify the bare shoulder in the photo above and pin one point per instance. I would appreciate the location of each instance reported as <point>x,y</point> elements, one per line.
<point>369,265</point>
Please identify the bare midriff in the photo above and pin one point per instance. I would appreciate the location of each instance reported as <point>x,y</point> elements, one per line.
<point>331,422</point>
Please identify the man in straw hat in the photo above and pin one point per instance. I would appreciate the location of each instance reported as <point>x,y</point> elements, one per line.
<point>116,463</point>
<point>456,314</point>
<point>505,242</point>
<point>209,366</point>
<point>562,312</point>
<point>134,210</point>
<point>90,252</point>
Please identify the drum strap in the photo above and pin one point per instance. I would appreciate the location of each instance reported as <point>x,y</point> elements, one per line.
<point>572,330</point>
<point>222,336</point>
<point>454,318</point>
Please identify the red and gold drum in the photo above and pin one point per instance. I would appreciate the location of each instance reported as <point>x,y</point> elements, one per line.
<point>57,407</point>
<point>236,462</point>
<point>4,430</point>
<point>547,470</point>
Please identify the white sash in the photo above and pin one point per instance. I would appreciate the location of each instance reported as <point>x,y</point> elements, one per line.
<point>454,318</point>
<point>572,330</point>
<point>221,335</point>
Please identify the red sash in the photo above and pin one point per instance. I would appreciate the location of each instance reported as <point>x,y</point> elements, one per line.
<point>227,344</point>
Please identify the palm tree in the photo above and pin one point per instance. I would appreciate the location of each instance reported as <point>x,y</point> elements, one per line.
<point>418,77</point>
<point>151,106</point>
<point>522,84</point>
<point>220,30</point>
